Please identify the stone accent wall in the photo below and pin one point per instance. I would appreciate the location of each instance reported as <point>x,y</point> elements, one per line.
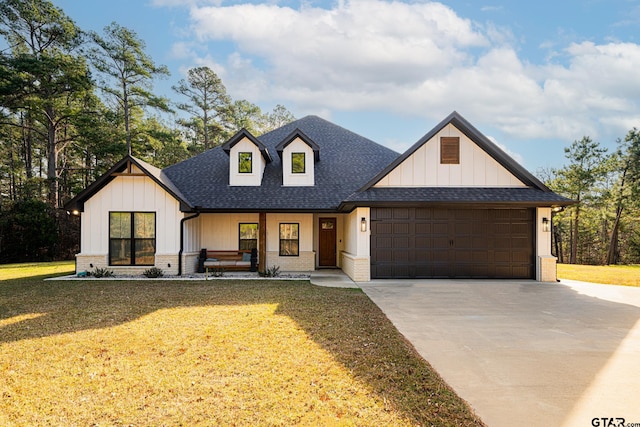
<point>190,262</point>
<point>547,268</point>
<point>83,263</point>
<point>306,261</point>
<point>358,269</point>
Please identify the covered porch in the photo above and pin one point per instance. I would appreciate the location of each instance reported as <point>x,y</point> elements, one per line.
<point>294,242</point>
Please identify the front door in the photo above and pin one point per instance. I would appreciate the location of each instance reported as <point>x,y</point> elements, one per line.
<point>327,255</point>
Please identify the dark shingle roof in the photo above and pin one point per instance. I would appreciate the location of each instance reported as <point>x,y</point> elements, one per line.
<point>523,196</point>
<point>347,162</point>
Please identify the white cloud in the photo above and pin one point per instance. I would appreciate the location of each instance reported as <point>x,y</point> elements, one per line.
<point>418,59</point>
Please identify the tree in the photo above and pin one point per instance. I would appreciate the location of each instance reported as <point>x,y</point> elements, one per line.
<point>208,104</point>
<point>577,179</point>
<point>41,78</point>
<point>279,117</point>
<point>628,163</point>
<point>120,57</point>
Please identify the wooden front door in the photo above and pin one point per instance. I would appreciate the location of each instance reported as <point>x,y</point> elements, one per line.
<point>327,244</point>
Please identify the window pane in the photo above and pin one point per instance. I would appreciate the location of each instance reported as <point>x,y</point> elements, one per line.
<point>120,251</point>
<point>145,251</point>
<point>248,231</point>
<point>248,237</point>
<point>119,225</point>
<point>297,163</point>
<point>288,231</point>
<point>289,242</point>
<point>144,225</point>
<point>244,162</point>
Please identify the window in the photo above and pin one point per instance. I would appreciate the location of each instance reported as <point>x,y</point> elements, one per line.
<point>297,163</point>
<point>248,237</point>
<point>132,238</point>
<point>289,240</point>
<point>450,150</point>
<point>245,163</point>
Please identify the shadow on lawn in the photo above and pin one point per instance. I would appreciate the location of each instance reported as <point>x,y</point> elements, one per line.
<point>343,321</point>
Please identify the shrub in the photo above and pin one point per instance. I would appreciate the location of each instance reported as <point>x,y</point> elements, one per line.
<point>102,272</point>
<point>153,272</point>
<point>273,271</point>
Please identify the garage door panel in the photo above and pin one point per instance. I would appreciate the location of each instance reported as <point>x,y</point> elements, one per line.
<point>423,228</point>
<point>379,228</point>
<point>440,242</point>
<point>401,228</point>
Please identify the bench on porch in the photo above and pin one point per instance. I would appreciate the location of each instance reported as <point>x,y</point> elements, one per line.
<point>240,260</point>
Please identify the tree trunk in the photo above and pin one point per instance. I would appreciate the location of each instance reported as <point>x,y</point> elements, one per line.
<point>52,159</point>
<point>612,253</point>
<point>574,234</point>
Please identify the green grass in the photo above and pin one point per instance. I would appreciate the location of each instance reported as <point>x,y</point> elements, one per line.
<point>16,271</point>
<point>626,275</point>
<point>209,353</point>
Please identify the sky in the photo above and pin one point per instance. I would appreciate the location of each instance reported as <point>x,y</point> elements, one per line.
<point>531,76</point>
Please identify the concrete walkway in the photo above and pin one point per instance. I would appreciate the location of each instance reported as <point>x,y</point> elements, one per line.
<point>523,352</point>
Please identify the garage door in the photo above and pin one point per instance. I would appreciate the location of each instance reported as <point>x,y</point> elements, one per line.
<point>452,243</point>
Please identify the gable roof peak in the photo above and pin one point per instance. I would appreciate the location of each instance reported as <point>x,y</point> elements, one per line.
<point>463,125</point>
<point>297,133</point>
<point>242,134</point>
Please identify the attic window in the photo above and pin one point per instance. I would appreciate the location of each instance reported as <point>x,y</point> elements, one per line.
<point>450,150</point>
<point>297,163</point>
<point>245,163</point>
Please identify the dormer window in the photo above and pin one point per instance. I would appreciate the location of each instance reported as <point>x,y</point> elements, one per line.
<point>245,162</point>
<point>298,163</point>
<point>248,159</point>
<point>299,156</point>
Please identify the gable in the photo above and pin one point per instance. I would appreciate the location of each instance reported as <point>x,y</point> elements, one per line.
<point>132,167</point>
<point>439,162</point>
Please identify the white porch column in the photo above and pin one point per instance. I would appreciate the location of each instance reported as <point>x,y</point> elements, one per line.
<point>545,262</point>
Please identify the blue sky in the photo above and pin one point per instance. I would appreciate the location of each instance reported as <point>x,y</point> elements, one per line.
<point>532,76</point>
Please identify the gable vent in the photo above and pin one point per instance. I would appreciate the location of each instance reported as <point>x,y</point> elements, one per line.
<point>450,150</point>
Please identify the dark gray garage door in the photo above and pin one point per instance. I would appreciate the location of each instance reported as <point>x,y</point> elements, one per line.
<point>452,243</point>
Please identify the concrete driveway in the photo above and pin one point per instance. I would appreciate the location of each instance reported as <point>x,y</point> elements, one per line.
<point>523,352</point>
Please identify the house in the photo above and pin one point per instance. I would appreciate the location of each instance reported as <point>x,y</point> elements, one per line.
<point>312,194</point>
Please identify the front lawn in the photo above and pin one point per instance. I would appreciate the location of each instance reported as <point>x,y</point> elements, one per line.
<point>209,353</point>
<point>16,271</point>
<point>627,275</point>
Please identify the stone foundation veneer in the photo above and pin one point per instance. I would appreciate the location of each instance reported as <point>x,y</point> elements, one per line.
<point>306,261</point>
<point>358,269</point>
<point>547,269</point>
<point>83,263</point>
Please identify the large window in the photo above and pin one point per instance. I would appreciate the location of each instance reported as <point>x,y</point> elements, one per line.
<point>289,240</point>
<point>245,162</point>
<point>132,238</point>
<point>248,237</point>
<point>297,163</point>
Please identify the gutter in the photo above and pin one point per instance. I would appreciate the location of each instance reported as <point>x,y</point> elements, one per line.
<point>182,221</point>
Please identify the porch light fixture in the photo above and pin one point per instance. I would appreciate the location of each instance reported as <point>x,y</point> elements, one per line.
<point>363,224</point>
<point>545,224</point>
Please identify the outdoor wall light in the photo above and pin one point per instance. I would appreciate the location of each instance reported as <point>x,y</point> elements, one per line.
<point>363,224</point>
<point>545,224</point>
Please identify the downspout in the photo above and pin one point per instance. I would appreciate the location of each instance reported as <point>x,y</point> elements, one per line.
<point>182,221</point>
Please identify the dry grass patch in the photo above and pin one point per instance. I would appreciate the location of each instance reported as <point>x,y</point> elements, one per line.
<point>17,271</point>
<point>626,275</point>
<point>203,353</point>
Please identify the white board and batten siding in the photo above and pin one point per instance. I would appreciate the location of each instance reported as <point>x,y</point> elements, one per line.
<point>252,179</point>
<point>476,167</point>
<point>130,194</point>
<point>290,179</point>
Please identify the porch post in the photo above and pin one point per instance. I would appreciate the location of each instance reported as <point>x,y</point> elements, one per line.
<point>262,242</point>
